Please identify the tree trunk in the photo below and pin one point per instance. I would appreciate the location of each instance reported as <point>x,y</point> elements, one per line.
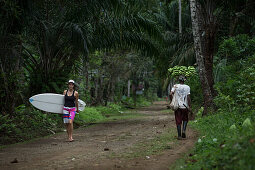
<point>100,90</point>
<point>197,33</point>
<point>112,89</point>
<point>129,83</point>
<point>232,25</point>
<point>134,97</point>
<point>85,75</point>
<point>208,54</point>
<point>180,16</point>
<point>209,29</point>
<point>96,86</point>
<point>134,87</point>
<point>107,92</point>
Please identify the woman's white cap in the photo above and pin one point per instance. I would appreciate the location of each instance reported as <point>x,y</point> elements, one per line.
<point>71,81</point>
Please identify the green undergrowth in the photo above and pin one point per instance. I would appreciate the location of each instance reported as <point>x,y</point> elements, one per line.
<point>124,116</point>
<point>100,113</point>
<point>111,112</point>
<point>26,124</point>
<point>103,114</point>
<point>149,147</point>
<point>141,101</point>
<point>227,137</point>
<point>227,141</point>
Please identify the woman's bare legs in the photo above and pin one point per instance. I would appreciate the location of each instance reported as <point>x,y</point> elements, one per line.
<point>68,130</point>
<point>70,135</point>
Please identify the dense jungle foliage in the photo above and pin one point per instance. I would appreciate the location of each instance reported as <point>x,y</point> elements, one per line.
<point>119,53</point>
<point>227,136</point>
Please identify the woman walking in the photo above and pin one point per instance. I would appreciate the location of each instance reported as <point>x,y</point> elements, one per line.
<point>70,108</point>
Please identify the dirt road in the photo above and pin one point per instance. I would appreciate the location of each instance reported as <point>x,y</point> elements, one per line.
<point>95,147</point>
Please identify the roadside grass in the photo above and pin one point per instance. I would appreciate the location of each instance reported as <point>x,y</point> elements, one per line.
<point>150,147</point>
<point>26,124</point>
<point>180,164</point>
<point>25,142</point>
<point>227,141</point>
<point>168,111</point>
<point>124,116</point>
<point>95,115</point>
<point>111,112</point>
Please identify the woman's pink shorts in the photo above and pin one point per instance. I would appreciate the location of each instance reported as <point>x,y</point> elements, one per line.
<point>68,113</point>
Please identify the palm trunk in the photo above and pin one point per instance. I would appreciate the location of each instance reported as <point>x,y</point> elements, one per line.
<point>85,75</point>
<point>100,91</point>
<point>180,16</point>
<point>112,90</point>
<point>96,87</point>
<point>197,33</point>
<point>129,83</point>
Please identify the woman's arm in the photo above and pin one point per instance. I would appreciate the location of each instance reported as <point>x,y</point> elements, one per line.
<point>64,93</point>
<point>76,101</point>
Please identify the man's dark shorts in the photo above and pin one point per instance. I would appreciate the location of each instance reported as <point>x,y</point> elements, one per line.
<point>181,115</point>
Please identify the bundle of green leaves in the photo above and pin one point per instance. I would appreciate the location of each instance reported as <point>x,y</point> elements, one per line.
<point>177,71</point>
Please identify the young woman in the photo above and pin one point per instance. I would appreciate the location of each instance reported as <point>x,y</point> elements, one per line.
<point>70,108</point>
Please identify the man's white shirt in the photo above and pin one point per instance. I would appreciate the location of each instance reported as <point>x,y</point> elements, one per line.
<point>181,91</point>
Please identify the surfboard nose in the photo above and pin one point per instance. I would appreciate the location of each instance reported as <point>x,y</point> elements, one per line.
<point>31,100</point>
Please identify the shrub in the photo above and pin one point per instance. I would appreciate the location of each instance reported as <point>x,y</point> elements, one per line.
<point>236,48</point>
<point>222,147</point>
<point>238,89</point>
<point>111,109</point>
<point>115,107</point>
<point>28,123</point>
<point>228,136</point>
<point>196,92</point>
<point>90,115</point>
<point>141,101</point>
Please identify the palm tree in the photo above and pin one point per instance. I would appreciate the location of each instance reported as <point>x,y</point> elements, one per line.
<point>176,49</point>
<point>50,59</point>
<point>11,71</point>
<point>58,41</point>
<point>180,16</point>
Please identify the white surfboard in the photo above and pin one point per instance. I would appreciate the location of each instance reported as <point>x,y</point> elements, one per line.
<point>51,102</point>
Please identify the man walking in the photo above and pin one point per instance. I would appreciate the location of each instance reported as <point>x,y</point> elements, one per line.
<point>182,92</point>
